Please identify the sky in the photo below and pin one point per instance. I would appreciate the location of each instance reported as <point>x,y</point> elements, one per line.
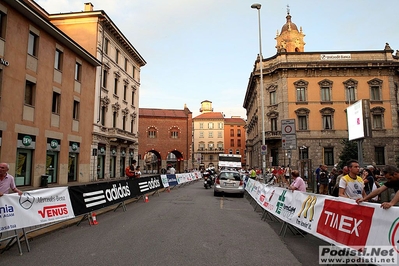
<point>200,50</point>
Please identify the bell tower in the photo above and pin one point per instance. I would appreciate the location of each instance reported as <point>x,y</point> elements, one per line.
<point>290,39</point>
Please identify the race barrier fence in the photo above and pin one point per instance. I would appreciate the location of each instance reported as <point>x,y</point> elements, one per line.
<point>44,207</point>
<point>339,221</point>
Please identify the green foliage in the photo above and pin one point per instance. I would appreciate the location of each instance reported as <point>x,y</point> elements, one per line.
<point>348,152</point>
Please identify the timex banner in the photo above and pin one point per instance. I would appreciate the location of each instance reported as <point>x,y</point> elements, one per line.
<point>91,197</point>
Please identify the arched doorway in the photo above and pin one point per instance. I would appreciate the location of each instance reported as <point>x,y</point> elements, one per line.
<point>175,159</point>
<point>152,162</point>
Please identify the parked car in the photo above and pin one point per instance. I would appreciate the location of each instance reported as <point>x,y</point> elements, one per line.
<point>229,182</point>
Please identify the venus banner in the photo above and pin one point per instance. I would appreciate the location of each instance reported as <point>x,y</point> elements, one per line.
<point>339,221</point>
<point>34,207</point>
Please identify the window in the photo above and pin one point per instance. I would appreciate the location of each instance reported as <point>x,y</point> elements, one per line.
<point>210,134</point>
<point>350,95</point>
<point>327,118</point>
<point>231,132</point>
<point>78,71</point>
<point>377,115</point>
<point>300,94</point>
<point>327,122</point>
<point>116,86</point>
<point>379,154</point>
<point>105,74</point>
<point>55,108</point>
<point>301,88</point>
<point>117,56</point>
<point>30,91</point>
<point>210,157</point>
<point>220,146</point>
<point>377,121</point>
<point>201,134</point>
<point>124,91</point>
<point>33,44</point>
<point>273,99</point>
<point>124,122</point>
<point>325,90</point>
<point>329,156</point>
<point>58,59</point>
<point>133,96</point>
<point>220,125</point>
<point>126,61</point>
<point>201,146</point>
<point>133,71</point>
<point>174,132</point>
<point>302,122</point>
<point>273,124</point>
<point>210,125</point>
<point>238,143</point>
<point>114,119</point>
<point>231,142</point>
<point>375,89</point>
<point>220,134</point>
<point>210,146</point>
<point>325,94</point>
<point>76,106</point>
<point>103,114</point>
<point>201,125</point>
<point>152,133</point>
<point>237,151</point>
<point>106,46</point>
<point>3,25</point>
<point>230,151</point>
<point>238,132</point>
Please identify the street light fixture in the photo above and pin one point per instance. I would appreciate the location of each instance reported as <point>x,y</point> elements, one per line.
<point>258,6</point>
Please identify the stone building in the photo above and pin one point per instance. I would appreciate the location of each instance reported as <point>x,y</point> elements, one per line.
<point>213,134</point>
<point>165,138</point>
<point>234,137</point>
<point>115,122</point>
<point>315,89</point>
<point>47,84</point>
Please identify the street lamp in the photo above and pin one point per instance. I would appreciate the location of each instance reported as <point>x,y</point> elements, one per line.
<point>258,6</point>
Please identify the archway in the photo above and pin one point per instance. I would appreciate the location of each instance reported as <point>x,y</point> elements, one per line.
<point>175,159</point>
<point>152,162</point>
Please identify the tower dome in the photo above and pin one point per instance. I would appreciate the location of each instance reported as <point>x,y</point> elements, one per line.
<point>290,39</point>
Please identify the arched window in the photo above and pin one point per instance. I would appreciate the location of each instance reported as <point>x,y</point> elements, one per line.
<point>152,132</point>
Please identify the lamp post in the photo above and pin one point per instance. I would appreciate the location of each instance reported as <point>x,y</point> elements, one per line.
<point>258,6</point>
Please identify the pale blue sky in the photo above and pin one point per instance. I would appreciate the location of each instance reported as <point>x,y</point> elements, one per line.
<point>205,49</point>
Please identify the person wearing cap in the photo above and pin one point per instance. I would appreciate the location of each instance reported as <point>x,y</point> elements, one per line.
<point>391,173</point>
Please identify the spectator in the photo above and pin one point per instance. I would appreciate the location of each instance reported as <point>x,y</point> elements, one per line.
<point>137,172</point>
<point>7,181</point>
<point>130,170</point>
<point>391,173</point>
<point>252,173</point>
<point>344,172</point>
<point>351,185</point>
<point>297,183</point>
<point>172,170</point>
<point>318,178</point>
<point>368,180</point>
<point>323,180</point>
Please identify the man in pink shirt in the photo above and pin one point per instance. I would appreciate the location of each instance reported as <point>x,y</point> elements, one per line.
<point>297,183</point>
<point>7,181</point>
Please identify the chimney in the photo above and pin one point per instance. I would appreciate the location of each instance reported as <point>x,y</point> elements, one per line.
<point>88,6</point>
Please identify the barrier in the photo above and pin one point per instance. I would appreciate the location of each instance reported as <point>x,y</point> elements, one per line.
<point>339,221</point>
<point>38,209</point>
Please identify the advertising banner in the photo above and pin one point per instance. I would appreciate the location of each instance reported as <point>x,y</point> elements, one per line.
<point>34,208</point>
<point>337,220</point>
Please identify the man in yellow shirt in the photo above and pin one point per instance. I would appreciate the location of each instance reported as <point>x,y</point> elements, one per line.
<point>351,185</point>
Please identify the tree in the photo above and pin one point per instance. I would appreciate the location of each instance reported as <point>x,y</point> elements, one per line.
<point>348,152</point>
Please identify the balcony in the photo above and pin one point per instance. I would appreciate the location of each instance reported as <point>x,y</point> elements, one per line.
<point>119,135</point>
<point>273,135</point>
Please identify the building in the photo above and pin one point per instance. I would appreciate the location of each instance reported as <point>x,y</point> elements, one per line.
<point>165,138</point>
<point>47,84</point>
<point>234,137</point>
<point>213,134</point>
<point>115,121</point>
<point>315,88</point>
